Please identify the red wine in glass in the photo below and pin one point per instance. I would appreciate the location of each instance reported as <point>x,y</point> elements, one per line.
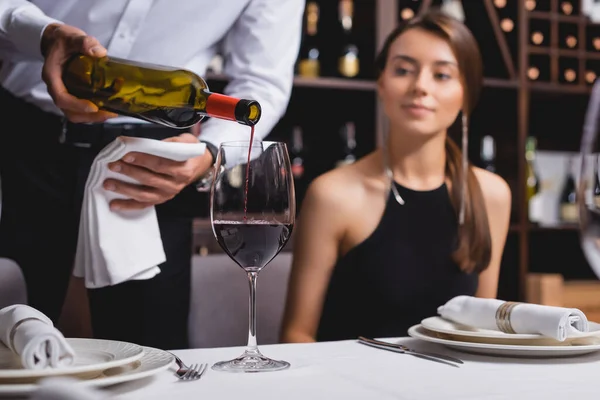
<point>252,244</point>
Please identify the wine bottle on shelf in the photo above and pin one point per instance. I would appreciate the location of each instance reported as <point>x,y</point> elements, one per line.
<point>164,95</point>
<point>488,153</point>
<point>592,35</point>
<point>406,13</point>
<point>592,68</point>
<point>569,7</point>
<point>297,153</point>
<point>530,5</point>
<point>568,197</point>
<point>309,59</point>
<point>568,34</point>
<point>539,68</point>
<point>532,181</point>
<point>539,32</point>
<point>568,70</point>
<point>348,134</point>
<point>349,61</point>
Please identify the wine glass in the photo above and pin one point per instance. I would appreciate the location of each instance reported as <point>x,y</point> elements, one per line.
<point>252,213</point>
<point>589,210</point>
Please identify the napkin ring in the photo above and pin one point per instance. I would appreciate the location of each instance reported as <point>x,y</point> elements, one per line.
<point>13,331</point>
<point>503,316</point>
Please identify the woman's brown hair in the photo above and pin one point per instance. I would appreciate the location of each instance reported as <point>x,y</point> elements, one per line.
<point>474,247</point>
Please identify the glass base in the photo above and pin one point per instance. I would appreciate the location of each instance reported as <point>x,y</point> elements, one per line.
<point>251,362</point>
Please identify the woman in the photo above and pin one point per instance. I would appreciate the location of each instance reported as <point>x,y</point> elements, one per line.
<point>383,242</point>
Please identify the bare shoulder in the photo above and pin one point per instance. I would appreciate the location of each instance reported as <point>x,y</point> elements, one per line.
<point>495,190</point>
<point>340,188</point>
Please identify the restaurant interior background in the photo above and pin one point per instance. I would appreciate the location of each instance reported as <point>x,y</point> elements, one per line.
<point>540,59</point>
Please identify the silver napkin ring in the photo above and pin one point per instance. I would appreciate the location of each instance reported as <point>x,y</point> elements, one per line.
<point>503,316</point>
<point>13,331</point>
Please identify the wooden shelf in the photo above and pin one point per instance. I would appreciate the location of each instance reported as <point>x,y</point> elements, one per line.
<point>564,52</point>
<point>558,88</point>
<point>549,228</point>
<point>557,17</point>
<point>357,84</point>
<point>321,82</point>
<point>500,83</point>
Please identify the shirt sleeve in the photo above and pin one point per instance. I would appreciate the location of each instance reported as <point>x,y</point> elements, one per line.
<point>259,52</point>
<point>21,28</point>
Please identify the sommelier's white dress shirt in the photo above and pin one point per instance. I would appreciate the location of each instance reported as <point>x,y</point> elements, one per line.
<point>259,41</point>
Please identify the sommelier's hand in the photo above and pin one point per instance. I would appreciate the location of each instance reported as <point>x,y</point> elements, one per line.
<point>59,42</point>
<point>160,178</point>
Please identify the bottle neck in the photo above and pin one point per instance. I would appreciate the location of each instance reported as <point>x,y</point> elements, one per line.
<point>245,112</point>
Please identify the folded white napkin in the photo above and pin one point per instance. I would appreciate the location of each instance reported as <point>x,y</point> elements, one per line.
<point>118,246</point>
<point>555,322</point>
<point>33,337</point>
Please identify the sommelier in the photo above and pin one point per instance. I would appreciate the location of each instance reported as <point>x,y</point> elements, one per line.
<point>44,163</point>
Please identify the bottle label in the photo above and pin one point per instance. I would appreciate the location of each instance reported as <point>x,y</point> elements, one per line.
<point>309,68</point>
<point>221,106</point>
<point>535,210</point>
<point>348,65</point>
<point>297,169</point>
<point>569,212</point>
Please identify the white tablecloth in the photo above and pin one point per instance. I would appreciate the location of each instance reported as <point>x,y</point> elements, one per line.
<point>348,370</point>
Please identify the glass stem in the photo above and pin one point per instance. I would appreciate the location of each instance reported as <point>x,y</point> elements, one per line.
<point>252,347</point>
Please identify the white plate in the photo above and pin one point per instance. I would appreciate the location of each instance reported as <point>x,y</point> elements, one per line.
<point>91,355</point>
<point>442,325</point>
<point>419,332</point>
<point>153,362</point>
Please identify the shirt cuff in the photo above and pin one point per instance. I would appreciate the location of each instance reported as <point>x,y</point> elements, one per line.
<point>26,31</point>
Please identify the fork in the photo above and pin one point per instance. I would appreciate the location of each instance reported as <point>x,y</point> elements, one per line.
<point>193,372</point>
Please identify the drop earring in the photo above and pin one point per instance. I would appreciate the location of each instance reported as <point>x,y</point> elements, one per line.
<point>465,166</point>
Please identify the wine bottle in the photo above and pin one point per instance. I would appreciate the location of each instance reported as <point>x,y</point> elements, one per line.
<point>488,153</point>
<point>568,69</point>
<point>532,181</point>
<point>297,150</point>
<point>349,62</point>
<point>539,32</point>
<point>530,5</point>
<point>568,34</point>
<point>539,67</point>
<point>164,95</point>
<point>348,134</point>
<point>569,7</point>
<point>592,36</point>
<point>568,198</point>
<point>309,64</point>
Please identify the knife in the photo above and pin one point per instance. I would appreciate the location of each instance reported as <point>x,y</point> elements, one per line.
<point>398,348</point>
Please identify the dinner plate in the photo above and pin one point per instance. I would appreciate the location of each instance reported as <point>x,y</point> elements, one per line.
<point>455,331</point>
<point>506,350</point>
<point>91,357</point>
<point>152,362</point>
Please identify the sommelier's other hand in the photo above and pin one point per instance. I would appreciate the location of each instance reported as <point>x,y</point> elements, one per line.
<point>160,178</point>
<point>59,42</point>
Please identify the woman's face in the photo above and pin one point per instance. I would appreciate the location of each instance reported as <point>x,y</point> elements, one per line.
<point>420,86</point>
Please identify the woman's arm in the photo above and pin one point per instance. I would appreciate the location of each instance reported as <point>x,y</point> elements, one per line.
<point>319,231</point>
<point>497,197</point>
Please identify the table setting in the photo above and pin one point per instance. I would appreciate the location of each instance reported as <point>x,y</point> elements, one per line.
<point>474,348</point>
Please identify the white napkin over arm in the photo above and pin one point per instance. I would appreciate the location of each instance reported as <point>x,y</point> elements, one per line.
<point>32,336</point>
<point>555,322</point>
<point>118,246</point>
